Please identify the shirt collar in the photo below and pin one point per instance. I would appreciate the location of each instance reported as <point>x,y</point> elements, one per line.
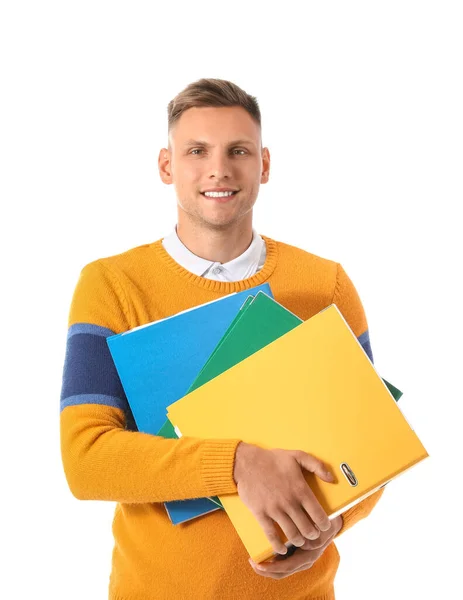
<point>238,268</point>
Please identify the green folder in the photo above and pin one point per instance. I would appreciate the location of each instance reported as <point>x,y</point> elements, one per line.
<point>259,323</point>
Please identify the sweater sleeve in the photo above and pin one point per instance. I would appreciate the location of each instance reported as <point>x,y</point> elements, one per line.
<point>348,302</point>
<point>102,458</point>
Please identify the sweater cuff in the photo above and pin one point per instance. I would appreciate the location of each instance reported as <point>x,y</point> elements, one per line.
<point>349,518</point>
<point>217,463</point>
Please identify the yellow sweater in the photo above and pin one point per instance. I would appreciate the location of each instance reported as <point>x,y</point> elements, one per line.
<point>104,459</point>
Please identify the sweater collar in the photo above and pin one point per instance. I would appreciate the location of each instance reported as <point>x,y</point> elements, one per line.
<point>252,259</point>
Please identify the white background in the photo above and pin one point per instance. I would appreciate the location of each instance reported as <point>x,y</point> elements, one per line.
<point>362,112</point>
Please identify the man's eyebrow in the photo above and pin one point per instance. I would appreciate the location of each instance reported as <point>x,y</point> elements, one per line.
<point>207,145</point>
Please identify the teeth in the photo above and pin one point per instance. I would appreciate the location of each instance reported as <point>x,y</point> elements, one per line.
<point>218,194</point>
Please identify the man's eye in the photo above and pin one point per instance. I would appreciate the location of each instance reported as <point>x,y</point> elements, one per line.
<point>195,150</point>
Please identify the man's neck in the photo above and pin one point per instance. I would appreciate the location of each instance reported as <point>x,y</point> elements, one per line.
<point>214,244</point>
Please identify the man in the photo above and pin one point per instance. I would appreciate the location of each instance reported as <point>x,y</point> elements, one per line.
<point>216,163</point>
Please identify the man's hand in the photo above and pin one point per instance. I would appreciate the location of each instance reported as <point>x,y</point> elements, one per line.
<point>302,559</point>
<point>272,485</point>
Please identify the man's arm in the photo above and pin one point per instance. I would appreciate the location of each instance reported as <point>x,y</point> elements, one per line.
<point>348,301</point>
<point>103,460</point>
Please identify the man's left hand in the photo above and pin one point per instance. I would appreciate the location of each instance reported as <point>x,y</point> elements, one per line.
<point>303,558</point>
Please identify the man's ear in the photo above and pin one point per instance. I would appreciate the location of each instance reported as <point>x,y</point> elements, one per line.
<point>164,166</point>
<point>265,165</point>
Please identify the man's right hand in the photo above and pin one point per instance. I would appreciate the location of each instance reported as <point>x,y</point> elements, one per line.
<point>272,485</point>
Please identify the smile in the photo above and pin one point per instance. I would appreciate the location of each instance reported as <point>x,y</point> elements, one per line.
<point>219,196</point>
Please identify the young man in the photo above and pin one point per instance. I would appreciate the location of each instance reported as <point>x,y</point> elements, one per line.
<point>216,163</point>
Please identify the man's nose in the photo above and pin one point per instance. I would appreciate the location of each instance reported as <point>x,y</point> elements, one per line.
<point>219,166</point>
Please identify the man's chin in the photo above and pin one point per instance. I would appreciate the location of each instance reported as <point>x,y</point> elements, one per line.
<point>219,224</point>
<point>218,220</point>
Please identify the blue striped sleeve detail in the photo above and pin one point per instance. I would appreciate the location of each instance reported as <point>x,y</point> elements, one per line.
<point>89,328</point>
<point>364,340</point>
<point>93,399</point>
<point>89,374</point>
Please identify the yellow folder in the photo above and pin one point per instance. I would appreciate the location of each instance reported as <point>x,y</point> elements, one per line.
<point>313,389</point>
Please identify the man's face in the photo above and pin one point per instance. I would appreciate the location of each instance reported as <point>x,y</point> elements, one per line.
<point>215,148</point>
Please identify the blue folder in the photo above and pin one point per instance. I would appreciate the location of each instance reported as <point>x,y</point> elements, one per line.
<point>158,362</point>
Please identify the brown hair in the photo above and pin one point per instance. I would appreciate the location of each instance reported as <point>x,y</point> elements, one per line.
<point>211,92</point>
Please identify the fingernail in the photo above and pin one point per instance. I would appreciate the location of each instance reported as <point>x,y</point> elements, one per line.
<point>330,476</point>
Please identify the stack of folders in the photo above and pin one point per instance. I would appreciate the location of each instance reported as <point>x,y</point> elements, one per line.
<point>278,382</point>
<point>282,382</point>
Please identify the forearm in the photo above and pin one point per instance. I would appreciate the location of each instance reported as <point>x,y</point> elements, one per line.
<point>103,461</point>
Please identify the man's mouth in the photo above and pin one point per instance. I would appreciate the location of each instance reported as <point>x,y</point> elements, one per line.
<point>220,197</point>
<point>219,194</point>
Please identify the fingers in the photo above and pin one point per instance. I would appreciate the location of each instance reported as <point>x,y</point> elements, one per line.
<point>303,568</point>
<point>302,525</point>
<point>313,508</point>
<point>270,531</point>
<point>296,526</point>
<point>315,544</point>
<point>289,526</point>
<point>314,465</point>
<point>295,523</point>
<point>325,539</point>
<point>300,561</point>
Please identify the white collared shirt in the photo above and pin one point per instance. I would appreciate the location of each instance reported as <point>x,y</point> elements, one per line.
<point>243,266</point>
